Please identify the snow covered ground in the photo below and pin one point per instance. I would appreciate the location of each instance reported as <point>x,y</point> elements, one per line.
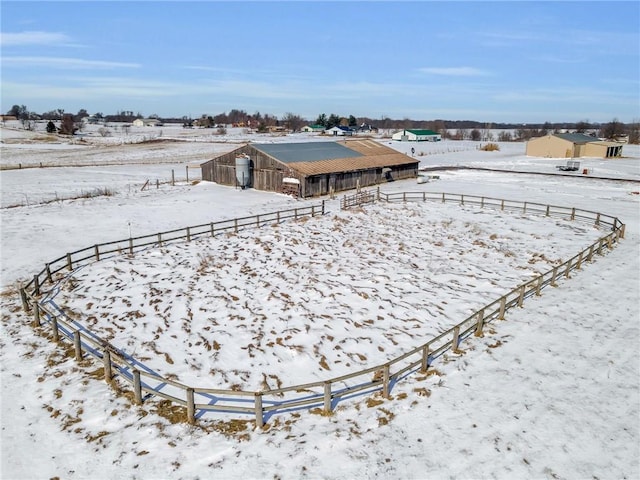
<point>552,392</point>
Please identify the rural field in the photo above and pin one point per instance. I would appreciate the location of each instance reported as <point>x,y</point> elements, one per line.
<point>553,391</point>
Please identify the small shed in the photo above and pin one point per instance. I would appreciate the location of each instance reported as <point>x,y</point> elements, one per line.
<point>321,168</point>
<point>572,145</point>
<point>416,135</point>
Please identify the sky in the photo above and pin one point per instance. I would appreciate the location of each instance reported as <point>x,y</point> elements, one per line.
<point>520,62</point>
<point>551,392</point>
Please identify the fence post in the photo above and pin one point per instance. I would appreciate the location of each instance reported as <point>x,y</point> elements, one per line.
<point>25,300</point>
<point>295,214</point>
<point>48,269</point>
<point>443,199</point>
<point>521,298</point>
<point>501,204</point>
<point>187,167</point>
<point>77,345</point>
<point>590,255</point>
<point>547,210</point>
<point>456,338</point>
<point>524,208</point>
<point>579,261</point>
<point>159,239</point>
<point>539,286</point>
<point>259,418</point>
<point>36,285</point>
<point>97,253</point>
<point>130,246</point>
<point>69,264</point>
<point>173,178</point>
<point>106,360</point>
<point>385,381</point>
<point>378,193</point>
<point>598,219</point>
<point>568,269</point>
<point>213,233</point>
<point>36,314</point>
<point>480,323</point>
<point>235,225</point>
<point>322,207</point>
<point>191,407</point>
<point>554,276</point>
<point>424,364</point>
<point>327,397</point>
<point>258,218</point>
<point>503,305</point>
<point>54,326</point>
<point>188,234</point>
<point>481,202</point>
<point>573,213</point>
<point>137,386</point>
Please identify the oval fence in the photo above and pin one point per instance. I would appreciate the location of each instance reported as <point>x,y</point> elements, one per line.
<point>326,394</point>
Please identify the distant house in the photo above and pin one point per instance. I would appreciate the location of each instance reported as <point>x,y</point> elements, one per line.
<point>572,145</point>
<point>147,122</point>
<point>416,135</point>
<point>340,130</point>
<point>365,127</point>
<point>5,118</point>
<point>319,168</point>
<point>313,128</point>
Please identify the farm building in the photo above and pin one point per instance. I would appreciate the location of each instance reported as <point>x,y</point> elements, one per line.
<point>417,136</point>
<point>317,168</point>
<point>147,122</point>
<point>572,145</point>
<point>313,128</point>
<point>340,130</point>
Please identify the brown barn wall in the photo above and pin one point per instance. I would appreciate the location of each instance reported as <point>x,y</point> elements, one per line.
<point>266,173</point>
<point>318,185</point>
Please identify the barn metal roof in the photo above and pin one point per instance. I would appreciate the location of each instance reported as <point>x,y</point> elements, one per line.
<point>576,137</point>
<point>311,158</point>
<point>307,151</point>
<point>317,158</point>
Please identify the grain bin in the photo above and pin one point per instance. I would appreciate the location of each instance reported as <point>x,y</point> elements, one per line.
<point>243,171</point>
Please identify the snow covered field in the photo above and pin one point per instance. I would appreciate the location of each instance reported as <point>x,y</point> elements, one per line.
<point>552,392</point>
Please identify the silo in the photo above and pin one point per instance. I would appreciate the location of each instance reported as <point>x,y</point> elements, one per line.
<point>243,171</point>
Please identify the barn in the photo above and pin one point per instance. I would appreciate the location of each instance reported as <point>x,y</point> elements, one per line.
<point>572,145</point>
<point>416,135</point>
<point>315,168</point>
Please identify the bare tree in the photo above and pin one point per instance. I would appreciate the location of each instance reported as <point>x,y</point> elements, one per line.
<point>582,126</point>
<point>612,130</point>
<point>293,122</point>
<point>634,131</point>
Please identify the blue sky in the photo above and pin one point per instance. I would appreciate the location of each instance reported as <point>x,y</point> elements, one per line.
<point>486,61</point>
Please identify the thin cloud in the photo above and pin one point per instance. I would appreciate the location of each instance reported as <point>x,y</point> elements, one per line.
<point>454,71</point>
<point>64,62</point>
<point>33,38</point>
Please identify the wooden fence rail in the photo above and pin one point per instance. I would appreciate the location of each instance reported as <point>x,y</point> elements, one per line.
<point>323,393</point>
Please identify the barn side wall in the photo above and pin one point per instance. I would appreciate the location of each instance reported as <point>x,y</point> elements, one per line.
<point>318,185</point>
<point>266,173</point>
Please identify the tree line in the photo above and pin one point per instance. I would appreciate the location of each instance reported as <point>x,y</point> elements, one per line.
<point>449,129</point>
